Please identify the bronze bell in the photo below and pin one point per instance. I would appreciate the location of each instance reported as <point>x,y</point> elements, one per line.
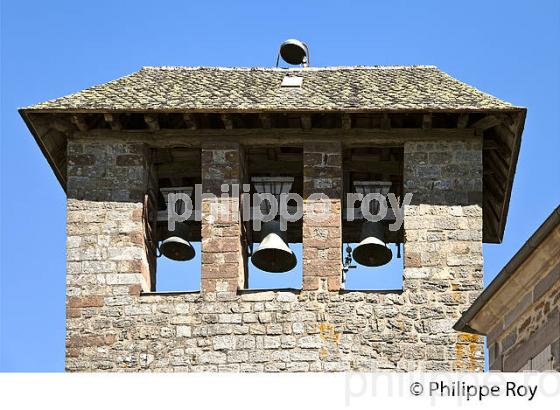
<point>372,250</point>
<point>294,52</point>
<point>273,254</point>
<point>176,244</point>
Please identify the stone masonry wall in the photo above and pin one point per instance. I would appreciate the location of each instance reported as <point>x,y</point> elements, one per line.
<point>529,329</point>
<point>222,250</point>
<point>443,245</point>
<point>112,326</point>
<point>322,237</point>
<point>107,262</point>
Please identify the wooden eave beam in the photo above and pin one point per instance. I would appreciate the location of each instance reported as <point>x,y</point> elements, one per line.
<point>227,121</point>
<point>265,120</point>
<point>114,121</point>
<point>190,122</point>
<point>462,120</point>
<point>152,122</point>
<point>346,121</point>
<point>306,122</point>
<point>486,122</point>
<point>80,122</point>
<point>427,121</point>
<point>386,122</point>
<point>277,136</point>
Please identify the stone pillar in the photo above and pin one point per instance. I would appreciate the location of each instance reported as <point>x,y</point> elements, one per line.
<point>443,247</point>
<point>223,267</point>
<point>107,261</point>
<point>322,237</point>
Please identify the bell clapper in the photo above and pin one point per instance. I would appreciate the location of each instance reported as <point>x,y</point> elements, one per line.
<point>347,264</point>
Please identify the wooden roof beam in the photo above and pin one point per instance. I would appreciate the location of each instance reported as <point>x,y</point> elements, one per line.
<point>385,122</point>
<point>486,122</point>
<point>306,121</point>
<point>462,120</point>
<point>346,121</point>
<point>278,136</point>
<point>506,136</point>
<point>114,121</point>
<point>152,122</point>
<point>265,120</point>
<point>80,122</point>
<point>190,122</point>
<point>227,121</point>
<point>427,121</point>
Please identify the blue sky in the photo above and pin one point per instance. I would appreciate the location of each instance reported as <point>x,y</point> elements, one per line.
<point>50,49</point>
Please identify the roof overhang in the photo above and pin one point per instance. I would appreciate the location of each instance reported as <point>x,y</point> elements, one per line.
<point>501,131</point>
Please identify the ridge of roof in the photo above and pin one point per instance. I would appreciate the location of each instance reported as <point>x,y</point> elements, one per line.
<point>289,69</point>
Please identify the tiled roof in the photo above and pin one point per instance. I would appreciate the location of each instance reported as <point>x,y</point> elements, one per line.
<point>258,89</point>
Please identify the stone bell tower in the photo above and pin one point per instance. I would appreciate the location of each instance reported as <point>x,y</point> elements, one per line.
<point>115,146</point>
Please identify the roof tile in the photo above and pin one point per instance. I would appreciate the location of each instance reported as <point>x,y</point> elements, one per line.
<point>258,89</point>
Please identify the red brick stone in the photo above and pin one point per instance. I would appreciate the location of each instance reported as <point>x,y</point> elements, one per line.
<point>221,270</point>
<point>72,313</point>
<point>85,301</point>
<point>90,340</point>
<point>134,290</point>
<point>412,260</point>
<point>310,283</point>
<point>73,352</point>
<point>137,214</point>
<point>333,283</point>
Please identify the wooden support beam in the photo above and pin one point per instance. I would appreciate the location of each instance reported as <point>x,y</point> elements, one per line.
<point>493,204</point>
<point>327,121</point>
<point>386,122</point>
<point>265,120</point>
<point>495,185</point>
<point>490,144</point>
<point>267,166</point>
<point>500,147</point>
<point>163,156</point>
<point>113,120</point>
<point>61,125</point>
<point>506,136</point>
<point>190,122</point>
<point>152,122</point>
<point>80,122</point>
<point>346,121</point>
<point>271,154</point>
<point>354,137</point>
<point>498,164</point>
<point>489,223</point>
<point>270,165</point>
<point>179,170</point>
<point>228,123</point>
<point>374,167</point>
<point>486,122</point>
<point>306,121</point>
<point>427,121</point>
<point>463,120</point>
<point>509,122</point>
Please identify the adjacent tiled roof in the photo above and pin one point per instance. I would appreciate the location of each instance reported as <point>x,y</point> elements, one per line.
<point>258,89</point>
